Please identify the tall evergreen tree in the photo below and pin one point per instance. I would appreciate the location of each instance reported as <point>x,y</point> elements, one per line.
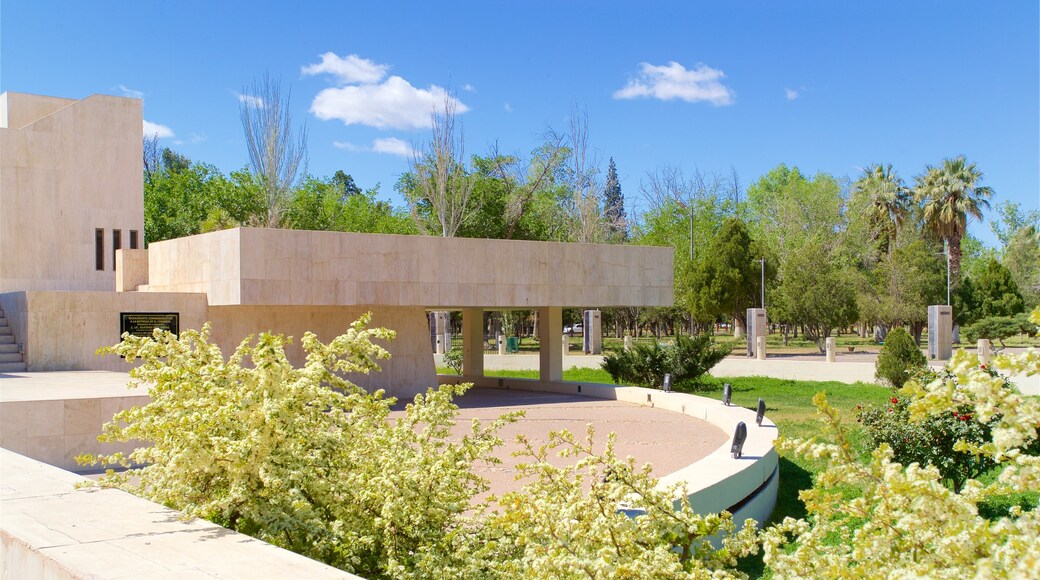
<point>614,205</point>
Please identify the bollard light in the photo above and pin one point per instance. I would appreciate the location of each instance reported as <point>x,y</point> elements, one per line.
<point>727,394</point>
<point>667,382</point>
<point>761,411</point>
<point>739,436</point>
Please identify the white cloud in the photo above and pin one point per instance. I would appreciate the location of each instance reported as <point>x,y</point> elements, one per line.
<point>250,100</point>
<point>674,81</point>
<point>392,146</point>
<point>791,94</point>
<point>469,88</point>
<point>347,146</point>
<point>364,96</point>
<point>157,130</point>
<point>347,70</point>
<point>392,104</point>
<point>199,137</point>
<point>385,145</point>
<point>132,93</point>
<point>507,107</point>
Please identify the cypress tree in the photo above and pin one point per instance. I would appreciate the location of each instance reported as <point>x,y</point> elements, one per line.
<point>614,205</point>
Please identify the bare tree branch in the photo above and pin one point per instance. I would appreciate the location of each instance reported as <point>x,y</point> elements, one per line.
<point>277,156</point>
<point>440,170</point>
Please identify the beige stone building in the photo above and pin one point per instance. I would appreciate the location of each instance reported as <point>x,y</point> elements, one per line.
<point>73,271</point>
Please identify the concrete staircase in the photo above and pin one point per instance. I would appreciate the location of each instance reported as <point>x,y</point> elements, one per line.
<point>11,360</point>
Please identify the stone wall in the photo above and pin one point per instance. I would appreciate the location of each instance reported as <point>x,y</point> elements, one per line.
<point>253,266</point>
<point>68,168</point>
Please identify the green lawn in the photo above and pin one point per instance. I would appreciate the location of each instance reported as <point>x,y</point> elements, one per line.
<point>774,343</point>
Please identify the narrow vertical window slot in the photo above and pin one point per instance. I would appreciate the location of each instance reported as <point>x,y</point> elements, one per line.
<point>133,239</point>
<point>117,243</point>
<point>99,249</point>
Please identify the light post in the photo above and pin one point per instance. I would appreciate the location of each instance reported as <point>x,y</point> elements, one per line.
<point>946,250</point>
<point>691,258</point>
<point>762,287</point>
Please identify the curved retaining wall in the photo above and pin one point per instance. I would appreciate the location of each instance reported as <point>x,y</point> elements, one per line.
<point>746,487</point>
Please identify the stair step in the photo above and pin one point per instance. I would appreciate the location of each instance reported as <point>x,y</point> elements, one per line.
<point>8,357</point>
<point>7,339</point>
<point>10,367</point>
<point>5,330</point>
<point>8,348</point>
<point>3,320</point>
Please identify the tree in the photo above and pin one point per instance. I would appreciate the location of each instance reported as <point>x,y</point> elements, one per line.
<point>907,281</point>
<point>583,202</point>
<point>996,293</point>
<point>614,205</point>
<point>344,184</point>
<point>1010,220</point>
<point>1022,258</point>
<point>277,149</point>
<point>519,191</point>
<point>888,200</point>
<point>684,212</point>
<point>441,181</point>
<point>181,195</point>
<point>816,292</point>
<point>727,278</point>
<point>951,195</point>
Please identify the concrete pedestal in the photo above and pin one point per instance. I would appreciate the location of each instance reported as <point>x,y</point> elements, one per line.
<point>628,343</point>
<point>984,351</point>
<point>832,349</point>
<point>756,321</point>
<point>501,344</point>
<point>940,332</point>
<point>592,332</point>
<point>760,348</point>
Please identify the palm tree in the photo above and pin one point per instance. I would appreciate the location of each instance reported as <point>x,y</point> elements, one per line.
<point>951,196</point>
<point>889,201</point>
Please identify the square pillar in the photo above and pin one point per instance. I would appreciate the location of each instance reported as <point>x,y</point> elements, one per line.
<point>550,338</point>
<point>940,332</point>
<point>473,342</point>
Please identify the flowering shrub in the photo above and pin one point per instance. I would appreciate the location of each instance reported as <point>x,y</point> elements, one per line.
<point>300,457</point>
<point>903,522</point>
<point>930,441</point>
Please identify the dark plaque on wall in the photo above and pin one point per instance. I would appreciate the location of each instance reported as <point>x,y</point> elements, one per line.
<point>144,323</point>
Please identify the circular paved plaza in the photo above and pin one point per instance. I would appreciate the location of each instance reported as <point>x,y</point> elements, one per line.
<point>665,439</point>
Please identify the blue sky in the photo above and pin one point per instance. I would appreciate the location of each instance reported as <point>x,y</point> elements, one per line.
<point>827,86</point>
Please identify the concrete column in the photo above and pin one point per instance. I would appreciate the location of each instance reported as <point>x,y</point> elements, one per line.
<point>832,348</point>
<point>473,342</point>
<point>940,332</point>
<point>550,352</point>
<point>438,328</point>
<point>628,343</point>
<point>760,348</point>
<point>984,351</point>
<point>566,345</point>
